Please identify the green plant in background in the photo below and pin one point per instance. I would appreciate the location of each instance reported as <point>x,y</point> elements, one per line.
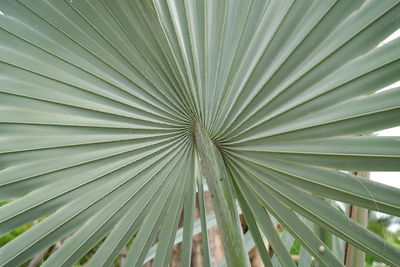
<point>13,234</point>
<point>113,112</point>
<point>380,226</point>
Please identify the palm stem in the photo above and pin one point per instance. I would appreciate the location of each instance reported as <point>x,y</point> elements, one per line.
<point>324,234</point>
<point>212,166</point>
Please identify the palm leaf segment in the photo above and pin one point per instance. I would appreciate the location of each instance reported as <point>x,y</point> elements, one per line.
<point>99,98</point>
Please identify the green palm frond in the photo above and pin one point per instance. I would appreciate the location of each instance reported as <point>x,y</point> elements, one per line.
<point>104,104</point>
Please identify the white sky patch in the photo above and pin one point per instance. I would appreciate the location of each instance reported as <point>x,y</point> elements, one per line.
<point>395,131</point>
<point>394,85</point>
<point>391,37</point>
<point>389,178</point>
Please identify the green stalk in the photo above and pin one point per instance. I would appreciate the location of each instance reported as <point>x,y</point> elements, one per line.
<point>323,234</point>
<point>212,166</point>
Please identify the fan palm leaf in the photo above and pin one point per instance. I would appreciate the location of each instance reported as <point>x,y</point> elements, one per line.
<point>113,112</point>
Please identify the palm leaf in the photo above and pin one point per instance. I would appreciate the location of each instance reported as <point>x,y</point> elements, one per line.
<point>100,101</point>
